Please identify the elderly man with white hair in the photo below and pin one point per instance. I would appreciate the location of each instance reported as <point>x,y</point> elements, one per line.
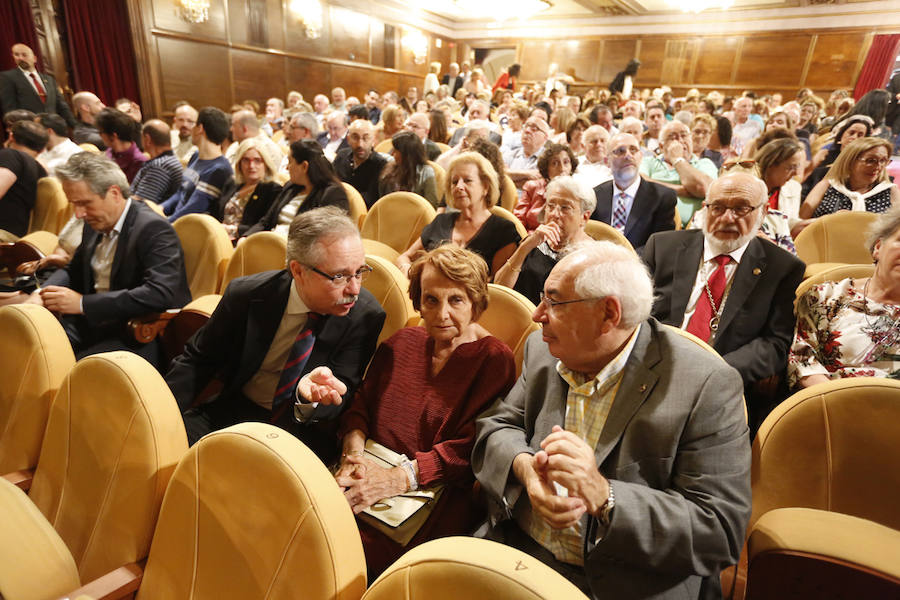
<point>592,168</point>
<point>620,458</point>
<point>521,163</point>
<point>727,285</point>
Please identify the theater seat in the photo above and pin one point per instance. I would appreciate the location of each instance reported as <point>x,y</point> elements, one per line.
<point>461,567</point>
<point>384,146</point>
<point>358,207</point>
<point>836,238</point>
<point>508,317</point>
<point>86,147</point>
<point>508,193</point>
<point>252,513</point>
<point>262,251</point>
<point>207,250</point>
<point>605,233</point>
<point>397,219</point>
<point>35,356</point>
<point>440,179</point>
<point>834,274</point>
<point>51,206</point>
<point>112,441</point>
<point>391,288</point>
<point>376,248</point>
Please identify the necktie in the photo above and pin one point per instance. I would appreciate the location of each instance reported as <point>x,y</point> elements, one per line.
<point>293,367</point>
<point>40,88</point>
<point>619,214</point>
<point>706,315</point>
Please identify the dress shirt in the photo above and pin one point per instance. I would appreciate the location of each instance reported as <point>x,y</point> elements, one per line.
<point>517,161</point>
<point>261,387</point>
<point>105,252</point>
<point>630,192</point>
<point>707,266</point>
<point>592,174</point>
<point>588,403</point>
<point>331,148</point>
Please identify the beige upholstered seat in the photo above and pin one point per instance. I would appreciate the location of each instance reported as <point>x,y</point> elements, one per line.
<point>391,288</point>
<point>443,147</point>
<point>384,146</point>
<point>397,219</point>
<point>605,233</point>
<point>502,212</point>
<point>207,250</point>
<point>837,238</point>
<point>89,148</point>
<point>262,251</point>
<point>808,554</point>
<point>252,513</point>
<point>156,207</point>
<point>835,274</point>
<point>440,179</point>
<point>113,438</point>
<point>376,248</point>
<point>508,317</point>
<point>44,241</point>
<point>51,206</point>
<point>461,567</point>
<point>35,356</point>
<point>358,208</point>
<point>508,194</point>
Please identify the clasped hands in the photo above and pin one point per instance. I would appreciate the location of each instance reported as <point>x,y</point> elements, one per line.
<point>58,299</point>
<point>364,482</point>
<point>567,460</point>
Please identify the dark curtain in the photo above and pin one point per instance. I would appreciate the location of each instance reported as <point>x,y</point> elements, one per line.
<point>878,65</point>
<point>100,49</point>
<point>16,27</point>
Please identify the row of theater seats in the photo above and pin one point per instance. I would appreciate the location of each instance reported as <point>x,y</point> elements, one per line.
<point>118,504</point>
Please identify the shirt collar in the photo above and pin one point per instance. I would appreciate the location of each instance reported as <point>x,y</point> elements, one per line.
<point>631,190</point>
<point>33,70</point>
<point>607,374</point>
<point>734,254</point>
<point>295,305</point>
<point>117,228</point>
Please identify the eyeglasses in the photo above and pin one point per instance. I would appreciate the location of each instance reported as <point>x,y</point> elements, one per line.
<point>550,303</point>
<point>342,279</point>
<point>718,210</point>
<point>677,135</point>
<point>744,164</point>
<point>871,161</point>
<point>563,209</point>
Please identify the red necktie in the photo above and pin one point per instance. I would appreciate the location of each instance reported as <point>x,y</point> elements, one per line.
<point>699,324</point>
<point>293,367</point>
<point>40,88</point>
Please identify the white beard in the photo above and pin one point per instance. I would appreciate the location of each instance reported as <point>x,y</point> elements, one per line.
<point>718,246</point>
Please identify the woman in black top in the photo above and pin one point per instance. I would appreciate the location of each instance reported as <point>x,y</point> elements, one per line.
<point>248,196</point>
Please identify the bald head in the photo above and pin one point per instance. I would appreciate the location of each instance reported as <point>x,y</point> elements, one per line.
<point>23,56</point>
<point>595,138</point>
<point>336,125</point>
<point>735,207</point>
<point>244,124</point>
<point>156,137</point>
<point>420,124</point>
<point>87,105</point>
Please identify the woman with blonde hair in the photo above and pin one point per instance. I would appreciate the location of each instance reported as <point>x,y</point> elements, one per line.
<point>856,181</point>
<point>472,190</point>
<point>247,198</point>
<point>431,79</point>
<point>392,118</point>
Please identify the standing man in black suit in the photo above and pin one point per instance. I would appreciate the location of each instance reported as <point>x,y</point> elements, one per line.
<point>129,263</point>
<point>453,79</point>
<point>727,285</point>
<point>635,206</point>
<point>23,87</point>
<point>259,323</point>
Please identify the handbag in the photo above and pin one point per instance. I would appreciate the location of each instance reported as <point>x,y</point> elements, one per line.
<point>399,517</point>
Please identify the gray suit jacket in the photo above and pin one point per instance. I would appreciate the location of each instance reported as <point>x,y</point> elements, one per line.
<point>674,448</point>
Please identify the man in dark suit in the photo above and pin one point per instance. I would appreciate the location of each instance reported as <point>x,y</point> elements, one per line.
<point>635,206</point>
<point>420,125</point>
<point>618,434</point>
<point>129,263</point>
<point>23,87</point>
<point>727,285</point>
<point>248,341</point>
<point>334,138</point>
<point>453,79</point>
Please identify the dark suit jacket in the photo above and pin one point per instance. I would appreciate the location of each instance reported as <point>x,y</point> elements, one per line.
<point>757,323</point>
<point>147,271</point>
<point>16,91</point>
<point>432,151</point>
<point>257,206</point>
<point>332,195</point>
<point>653,210</point>
<point>235,340</point>
<point>453,85</point>
<point>322,138</point>
<point>674,448</point>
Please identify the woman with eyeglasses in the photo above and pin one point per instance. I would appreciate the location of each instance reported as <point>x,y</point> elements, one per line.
<point>856,181</point>
<point>563,217</point>
<point>557,160</point>
<point>422,393</point>
<point>246,199</point>
<point>848,130</point>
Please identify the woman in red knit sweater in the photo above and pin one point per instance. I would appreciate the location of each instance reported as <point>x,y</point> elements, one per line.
<point>421,395</point>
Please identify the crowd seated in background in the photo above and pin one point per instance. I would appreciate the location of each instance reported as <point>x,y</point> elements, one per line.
<point>851,328</point>
<point>556,160</point>
<point>160,177</point>
<point>59,147</point>
<point>117,131</point>
<point>409,171</point>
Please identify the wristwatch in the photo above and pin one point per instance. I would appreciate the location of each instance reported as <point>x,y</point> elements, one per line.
<point>678,160</point>
<point>608,506</point>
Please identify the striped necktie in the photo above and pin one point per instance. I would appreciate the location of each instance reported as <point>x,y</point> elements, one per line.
<point>293,367</point>
<point>620,216</point>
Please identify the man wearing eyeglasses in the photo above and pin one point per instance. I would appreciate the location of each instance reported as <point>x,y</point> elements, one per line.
<point>728,285</point>
<point>289,346</point>
<point>620,458</point>
<point>630,203</point>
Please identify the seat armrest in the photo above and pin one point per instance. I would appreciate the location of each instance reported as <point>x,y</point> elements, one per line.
<point>20,479</point>
<point>147,327</point>
<point>121,583</point>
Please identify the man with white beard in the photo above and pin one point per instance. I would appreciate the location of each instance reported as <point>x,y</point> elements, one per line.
<point>727,285</point>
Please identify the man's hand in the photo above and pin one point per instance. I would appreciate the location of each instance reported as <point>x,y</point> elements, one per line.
<point>320,385</point>
<point>571,464</point>
<point>62,300</point>
<point>673,151</point>
<point>369,483</point>
<point>558,511</point>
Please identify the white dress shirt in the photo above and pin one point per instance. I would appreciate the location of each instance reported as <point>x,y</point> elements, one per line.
<point>105,253</point>
<point>707,267</point>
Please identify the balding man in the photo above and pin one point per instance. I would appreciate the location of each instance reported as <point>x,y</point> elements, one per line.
<point>420,124</point>
<point>87,107</point>
<point>25,88</point>
<point>521,164</point>
<point>621,457</point>
<point>334,137</point>
<point>480,111</point>
<point>744,129</point>
<point>274,116</point>
<point>630,203</point>
<point>244,125</point>
<point>727,285</point>
<point>452,79</point>
<point>339,99</point>
<point>160,177</point>
<point>358,164</point>
<point>321,108</point>
<point>182,125</point>
<point>592,169</point>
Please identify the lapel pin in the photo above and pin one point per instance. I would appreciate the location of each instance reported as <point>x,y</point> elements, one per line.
<point>757,271</point>
<point>643,388</point>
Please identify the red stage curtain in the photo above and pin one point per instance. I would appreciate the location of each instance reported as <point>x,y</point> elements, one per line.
<point>100,49</point>
<point>878,65</point>
<point>17,28</point>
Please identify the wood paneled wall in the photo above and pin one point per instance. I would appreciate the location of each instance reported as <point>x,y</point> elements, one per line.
<point>256,49</point>
<point>765,62</point>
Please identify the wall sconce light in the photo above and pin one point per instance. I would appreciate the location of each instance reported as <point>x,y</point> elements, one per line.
<point>309,13</point>
<point>193,11</point>
<point>416,43</point>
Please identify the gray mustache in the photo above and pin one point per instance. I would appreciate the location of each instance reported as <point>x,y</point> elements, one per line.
<point>348,299</point>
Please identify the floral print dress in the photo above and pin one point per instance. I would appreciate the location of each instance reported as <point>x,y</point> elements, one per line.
<point>842,334</point>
